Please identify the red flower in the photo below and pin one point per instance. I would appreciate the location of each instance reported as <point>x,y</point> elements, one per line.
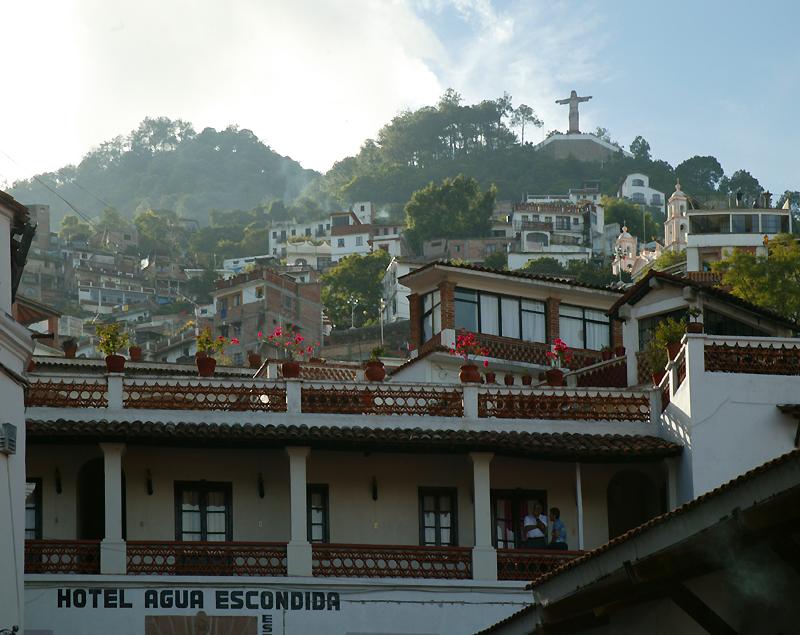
<point>235,340</point>
<point>486,363</point>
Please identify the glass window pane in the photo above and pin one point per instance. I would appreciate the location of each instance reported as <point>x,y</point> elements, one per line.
<point>190,521</point>
<point>317,533</point>
<point>427,302</point>
<point>445,536</point>
<point>191,536</point>
<point>444,519</point>
<point>430,536</point>
<point>444,503</point>
<point>437,297</point>
<point>429,503</point>
<point>597,336</point>
<point>466,316</point>
<point>429,519</point>
<point>510,309</point>
<point>465,294</point>
<point>533,327</point>
<point>316,515</point>
<point>490,323</point>
<point>570,311</point>
<point>437,319</point>
<point>316,499</point>
<point>190,500</point>
<point>215,523</point>
<point>216,538</point>
<point>597,316</point>
<point>216,501</point>
<point>571,331</point>
<point>533,305</point>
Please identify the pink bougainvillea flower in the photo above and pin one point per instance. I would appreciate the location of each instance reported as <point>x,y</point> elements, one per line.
<point>260,335</point>
<point>486,363</point>
<point>234,340</point>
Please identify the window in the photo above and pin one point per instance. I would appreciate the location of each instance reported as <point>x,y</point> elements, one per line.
<point>500,315</point>
<point>294,233</point>
<point>362,208</point>
<point>509,508</point>
<point>638,197</point>
<point>203,511</point>
<point>33,511</point>
<point>274,235</point>
<point>586,328</point>
<point>562,222</point>
<point>437,517</point>
<point>359,241</point>
<point>237,300</point>
<point>719,324</point>
<point>637,183</point>
<point>223,330</point>
<point>576,220</point>
<point>317,511</point>
<point>259,292</point>
<point>431,314</point>
<point>288,302</point>
<point>710,224</point>
<point>774,223</point>
<point>744,223</point>
<point>222,304</point>
<point>237,329</point>
<point>340,242</point>
<point>647,326</point>
<point>308,231</point>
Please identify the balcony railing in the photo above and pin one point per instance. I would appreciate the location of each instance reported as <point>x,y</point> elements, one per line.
<point>383,561</point>
<point>252,396</point>
<point>62,556</point>
<point>754,358</point>
<point>67,393</point>
<point>530,352</point>
<point>565,404</point>
<point>383,399</point>
<point>206,558</point>
<point>529,564</point>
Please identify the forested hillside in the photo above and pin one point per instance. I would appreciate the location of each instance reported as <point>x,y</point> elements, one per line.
<point>165,164</point>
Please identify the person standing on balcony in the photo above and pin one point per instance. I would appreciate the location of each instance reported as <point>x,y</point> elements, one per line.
<point>535,528</point>
<point>558,531</point>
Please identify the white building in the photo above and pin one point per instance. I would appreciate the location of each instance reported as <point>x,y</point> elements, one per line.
<point>395,294</point>
<point>16,347</point>
<point>636,188</point>
<point>309,253</point>
<point>628,258</point>
<point>281,231</point>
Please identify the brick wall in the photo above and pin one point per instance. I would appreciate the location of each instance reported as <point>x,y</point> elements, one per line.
<point>616,333</point>
<point>447,291</point>
<point>415,315</point>
<point>552,319</point>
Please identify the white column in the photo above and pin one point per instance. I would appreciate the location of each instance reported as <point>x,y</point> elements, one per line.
<point>672,483</point>
<point>294,396</point>
<point>112,548</point>
<point>484,556</point>
<point>579,503</point>
<point>470,396</point>
<point>114,394</point>
<point>298,551</point>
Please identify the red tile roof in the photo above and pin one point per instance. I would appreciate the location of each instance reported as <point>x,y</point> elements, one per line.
<point>553,446</point>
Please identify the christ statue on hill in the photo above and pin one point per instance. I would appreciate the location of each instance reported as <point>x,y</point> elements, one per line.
<point>573,100</point>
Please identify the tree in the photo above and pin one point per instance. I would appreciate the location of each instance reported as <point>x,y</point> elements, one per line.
<point>640,148</point>
<point>617,210</point>
<point>200,288</point>
<point>772,281</point>
<point>544,266</point>
<point>596,272</point>
<point>496,260</point>
<point>668,259</point>
<point>522,115</point>
<point>455,209</point>
<point>354,285</point>
<point>159,232</point>
<point>111,220</point>
<point>699,175</point>
<point>744,182</point>
<point>73,228</point>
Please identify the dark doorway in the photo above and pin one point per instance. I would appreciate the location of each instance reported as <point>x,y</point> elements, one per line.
<point>91,501</point>
<point>632,499</point>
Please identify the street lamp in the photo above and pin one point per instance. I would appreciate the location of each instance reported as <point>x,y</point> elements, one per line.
<point>381,308</point>
<point>353,302</point>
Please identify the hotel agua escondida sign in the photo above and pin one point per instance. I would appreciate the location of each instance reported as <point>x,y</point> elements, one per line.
<point>350,608</point>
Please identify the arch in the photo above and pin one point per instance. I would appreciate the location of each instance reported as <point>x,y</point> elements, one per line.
<point>90,501</point>
<point>632,499</point>
<point>537,237</point>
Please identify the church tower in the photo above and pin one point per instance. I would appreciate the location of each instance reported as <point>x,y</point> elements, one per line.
<point>677,223</point>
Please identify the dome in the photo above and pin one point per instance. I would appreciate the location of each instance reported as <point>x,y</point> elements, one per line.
<point>624,235</point>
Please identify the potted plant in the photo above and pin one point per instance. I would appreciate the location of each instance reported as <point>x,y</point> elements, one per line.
<point>254,359</point>
<point>490,377</point>
<point>694,326</point>
<point>70,347</point>
<point>112,339</point>
<point>207,348</point>
<point>135,353</point>
<point>559,357</point>
<point>374,370</point>
<point>527,379</point>
<point>468,347</point>
<point>293,345</point>
<point>664,346</point>
<point>619,351</point>
<point>605,353</point>
<point>508,379</point>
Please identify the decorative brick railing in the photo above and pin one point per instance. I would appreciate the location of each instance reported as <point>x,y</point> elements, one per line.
<point>644,372</point>
<point>558,404</point>
<point>206,558</point>
<point>432,344</point>
<point>383,399</point>
<point>382,561</point>
<point>529,564</point>
<point>607,374</point>
<point>754,359</point>
<point>67,393</point>
<point>254,396</point>
<point>62,556</point>
<point>530,352</point>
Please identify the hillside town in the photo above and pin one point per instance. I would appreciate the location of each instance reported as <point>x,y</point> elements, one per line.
<point>476,376</point>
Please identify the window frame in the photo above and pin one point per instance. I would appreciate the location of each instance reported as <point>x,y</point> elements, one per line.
<point>499,297</point>
<point>517,497</point>
<point>203,487</point>
<point>426,313</point>
<point>452,493</point>
<point>37,509</point>
<point>322,489</point>
<point>584,320</point>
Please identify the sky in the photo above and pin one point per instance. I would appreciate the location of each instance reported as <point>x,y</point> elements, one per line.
<point>315,78</point>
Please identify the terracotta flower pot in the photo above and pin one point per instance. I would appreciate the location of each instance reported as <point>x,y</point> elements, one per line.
<point>254,360</point>
<point>200,354</point>
<point>205,366</point>
<point>673,349</point>
<point>606,355</point>
<point>508,379</point>
<point>657,377</point>
<point>136,353</point>
<point>491,377</point>
<point>555,377</point>
<point>469,374</point>
<point>619,351</point>
<point>374,371</point>
<point>115,363</point>
<point>527,380</point>
<point>70,348</point>
<point>290,369</point>
<point>694,327</point>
